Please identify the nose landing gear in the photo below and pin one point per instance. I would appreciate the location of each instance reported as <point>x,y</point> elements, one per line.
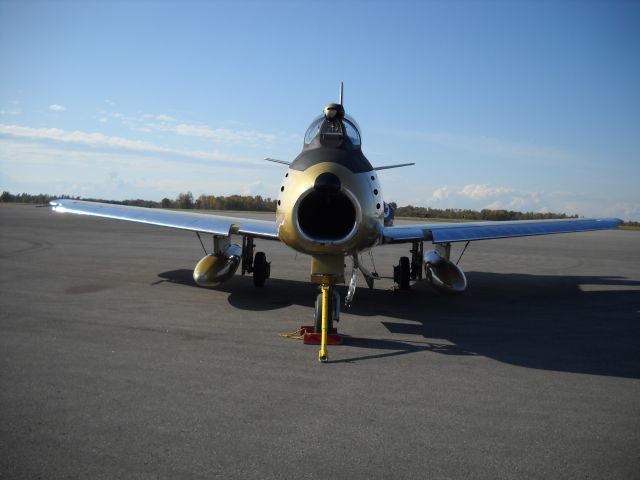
<point>327,310</point>
<point>333,305</point>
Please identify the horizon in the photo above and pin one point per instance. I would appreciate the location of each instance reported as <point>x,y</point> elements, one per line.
<point>147,203</point>
<point>521,106</point>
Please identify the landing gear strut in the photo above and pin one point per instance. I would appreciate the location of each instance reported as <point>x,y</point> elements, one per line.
<point>417,258</point>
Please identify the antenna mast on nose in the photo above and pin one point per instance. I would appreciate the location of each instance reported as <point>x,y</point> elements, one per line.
<point>341,92</point>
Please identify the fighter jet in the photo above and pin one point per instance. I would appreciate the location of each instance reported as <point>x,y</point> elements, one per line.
<point>330,206</point>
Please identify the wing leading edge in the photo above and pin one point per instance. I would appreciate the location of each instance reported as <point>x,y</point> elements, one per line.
<point>464,232</point>
<point>196,222</point>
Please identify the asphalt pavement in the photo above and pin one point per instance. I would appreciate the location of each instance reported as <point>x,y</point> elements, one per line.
<point>116,365</point>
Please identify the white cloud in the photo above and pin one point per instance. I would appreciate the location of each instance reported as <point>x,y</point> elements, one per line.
<point>57,108</point>
<point>517,203</point>
<point>164,123</point>
<point>479,196</point>
<point>224,135</point>
<point>98,140</point>
<point>255,188</point>
<point>91,139</point>
<point>161,118</point>
<point>477,191</point>
<point>41,167</point>
<point>440,193</point>
<point>624,209</point>
<point>12,111</point>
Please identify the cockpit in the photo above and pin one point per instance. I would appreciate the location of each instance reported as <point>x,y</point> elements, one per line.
<point>338,127</point>
<point>332,137</point>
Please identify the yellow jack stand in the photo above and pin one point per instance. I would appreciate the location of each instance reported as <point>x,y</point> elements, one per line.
<point>323,356</point>
<point>327,334</point>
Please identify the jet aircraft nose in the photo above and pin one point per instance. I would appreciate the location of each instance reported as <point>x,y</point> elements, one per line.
<point>327,182</point>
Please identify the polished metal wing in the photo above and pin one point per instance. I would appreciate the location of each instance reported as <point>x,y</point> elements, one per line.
<point>196,222</point>
<point>465,232</point>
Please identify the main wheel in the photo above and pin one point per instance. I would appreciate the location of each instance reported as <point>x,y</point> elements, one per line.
<point>261,269</point>
<point>402,273</point>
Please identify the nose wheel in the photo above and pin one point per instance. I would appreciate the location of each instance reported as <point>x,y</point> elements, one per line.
<point>327,310</point>
<point>333,309</point>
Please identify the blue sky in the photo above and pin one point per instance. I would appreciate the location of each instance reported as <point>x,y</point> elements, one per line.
<point>526,106</point>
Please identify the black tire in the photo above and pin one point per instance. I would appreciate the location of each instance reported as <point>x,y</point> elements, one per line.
<point>404,273</point>
<point>334,298</point>
<point>260,269</point>
<point>317,318</point>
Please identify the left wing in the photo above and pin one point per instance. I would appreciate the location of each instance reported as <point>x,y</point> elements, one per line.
<point>195,222</point>
<point>464,232</point>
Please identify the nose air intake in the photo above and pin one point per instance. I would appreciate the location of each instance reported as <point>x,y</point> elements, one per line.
<point>326,213</point>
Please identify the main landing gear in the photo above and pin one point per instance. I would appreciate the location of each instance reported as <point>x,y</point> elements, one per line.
<point>257,265</point>
<point>408,270</point>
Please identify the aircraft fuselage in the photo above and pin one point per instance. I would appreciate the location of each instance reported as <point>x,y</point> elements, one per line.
<point>330,200</point>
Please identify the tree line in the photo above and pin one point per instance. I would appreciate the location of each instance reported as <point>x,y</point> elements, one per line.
<point>466,214</point>
<point>184,201</point>
<point>257,203</point>
<point>212,202</point>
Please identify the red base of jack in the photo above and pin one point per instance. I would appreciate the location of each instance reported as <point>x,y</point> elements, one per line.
<point>311,337</point>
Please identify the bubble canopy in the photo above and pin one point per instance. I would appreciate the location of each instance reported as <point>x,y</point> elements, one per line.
<point>349,127</point>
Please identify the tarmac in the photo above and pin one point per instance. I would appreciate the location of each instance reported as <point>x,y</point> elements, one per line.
<point>116,365</point>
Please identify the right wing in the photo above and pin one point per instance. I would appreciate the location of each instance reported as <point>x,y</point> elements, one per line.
<point>466,232</point>
<point>195,222</point>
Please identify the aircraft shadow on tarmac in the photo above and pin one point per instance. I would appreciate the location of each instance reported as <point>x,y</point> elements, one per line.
<point>578,324</point>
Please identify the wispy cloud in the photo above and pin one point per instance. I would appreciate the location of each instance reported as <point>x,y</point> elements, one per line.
<point>224,135</point>
<point>161,118</point>
<point>624,209</point>
<point>480,195</point>
<point>53,167</point>
<point>57,108</point>
<point>99,140</point>
<point>11,111</point>
<point>491,146</point>
<point>478,191</point>
<point>440,193</point>
<point>76,136</point>
<point>149,123</point>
